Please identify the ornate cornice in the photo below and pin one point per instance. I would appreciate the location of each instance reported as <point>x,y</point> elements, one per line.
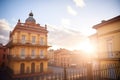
<point>29,28</point>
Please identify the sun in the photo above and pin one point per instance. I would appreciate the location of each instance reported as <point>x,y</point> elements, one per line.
<point>87,48</point>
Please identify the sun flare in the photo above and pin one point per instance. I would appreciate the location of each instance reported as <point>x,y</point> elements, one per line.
<point>87,48</point>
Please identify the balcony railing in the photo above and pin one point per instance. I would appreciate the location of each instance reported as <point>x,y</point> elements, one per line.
<point>114,54</point>
<point>27,58</point>
<point>27,42</point>
<point>22,75</point>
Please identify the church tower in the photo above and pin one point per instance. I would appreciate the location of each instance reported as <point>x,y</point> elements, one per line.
<point>28,49</point>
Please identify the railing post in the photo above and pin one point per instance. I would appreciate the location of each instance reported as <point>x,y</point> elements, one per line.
<point>65,74</point>
<point>89,71</point>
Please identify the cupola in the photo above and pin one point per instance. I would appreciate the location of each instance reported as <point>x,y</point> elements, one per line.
<point>30,19</point>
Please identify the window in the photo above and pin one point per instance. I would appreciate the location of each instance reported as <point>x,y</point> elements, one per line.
<point>23,38</point>
<point>33,39</point>
<point>109,48</point>
<point>41,54</point>
<point>33,53</point>
<point>41,41</point>
<point>22,53</point>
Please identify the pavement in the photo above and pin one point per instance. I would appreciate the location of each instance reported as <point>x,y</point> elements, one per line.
<point>56,69</point>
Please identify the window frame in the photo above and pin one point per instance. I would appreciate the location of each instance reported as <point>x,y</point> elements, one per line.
<point>23,39</point>
<point>32,53</point>
<point>33,39</point>
<point>41,53</point>
<point>110,48</point>
<point>41,41</point>
<point>22,55</point>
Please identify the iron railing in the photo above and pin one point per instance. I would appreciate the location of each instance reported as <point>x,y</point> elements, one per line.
<point>86,72</point>
<point>27,58</point>
<point>26,42</point>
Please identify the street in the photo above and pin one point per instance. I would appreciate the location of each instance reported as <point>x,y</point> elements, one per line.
<point>56,69</point>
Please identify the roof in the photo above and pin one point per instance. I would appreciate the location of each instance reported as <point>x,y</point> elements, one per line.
<point>117,18</point>
<point>30,18</point>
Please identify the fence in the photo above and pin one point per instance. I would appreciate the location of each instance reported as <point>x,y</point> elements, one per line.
<point>85,72</point>
<point>107,72</point>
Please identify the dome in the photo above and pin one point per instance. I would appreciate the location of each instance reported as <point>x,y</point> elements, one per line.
<point>31,14</point>
<point>30,19</point>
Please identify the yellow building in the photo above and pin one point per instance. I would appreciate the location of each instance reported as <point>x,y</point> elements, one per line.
<point>78,58</point>
<point>28,48</point>
<point>62,57</point>
<point>107,40</point>
<point>51,57</point>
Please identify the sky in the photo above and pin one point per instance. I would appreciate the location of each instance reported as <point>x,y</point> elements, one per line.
<point>69,21</point>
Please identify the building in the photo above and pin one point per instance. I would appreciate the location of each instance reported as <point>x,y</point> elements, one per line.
<point>3,56</point>
<point>28,49</point>
<point>62,58</point>
<point>51,57</point>
<point>107,41</point>
<point>78,58</point>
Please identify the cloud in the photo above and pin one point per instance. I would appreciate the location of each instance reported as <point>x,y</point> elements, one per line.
<point>63,37</point>
<point>71,11</point>
<point>65,22</point>
<point>4,31</point>
<point>79,3</point>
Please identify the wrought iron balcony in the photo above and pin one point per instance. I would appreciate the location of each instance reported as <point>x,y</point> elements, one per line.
<point>27,74</point>
<point>26,58</point>
<point>26,43</point>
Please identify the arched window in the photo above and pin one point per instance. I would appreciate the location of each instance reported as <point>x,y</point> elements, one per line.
<point>32,67</point>
<point>41,67</point>
<point>22,68</point>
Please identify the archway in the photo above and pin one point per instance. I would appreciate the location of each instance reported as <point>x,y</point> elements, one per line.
<point>22,68</point>
<point>41,67</point>
<point>32,67</point>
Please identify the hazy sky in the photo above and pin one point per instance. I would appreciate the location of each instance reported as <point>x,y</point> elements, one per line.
<point>67,20</point>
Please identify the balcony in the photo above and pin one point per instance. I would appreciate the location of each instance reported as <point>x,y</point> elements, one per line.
<point>27,58</point>
<point>19,42</point>
<point>113,54</point>
<point>28,74</point>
